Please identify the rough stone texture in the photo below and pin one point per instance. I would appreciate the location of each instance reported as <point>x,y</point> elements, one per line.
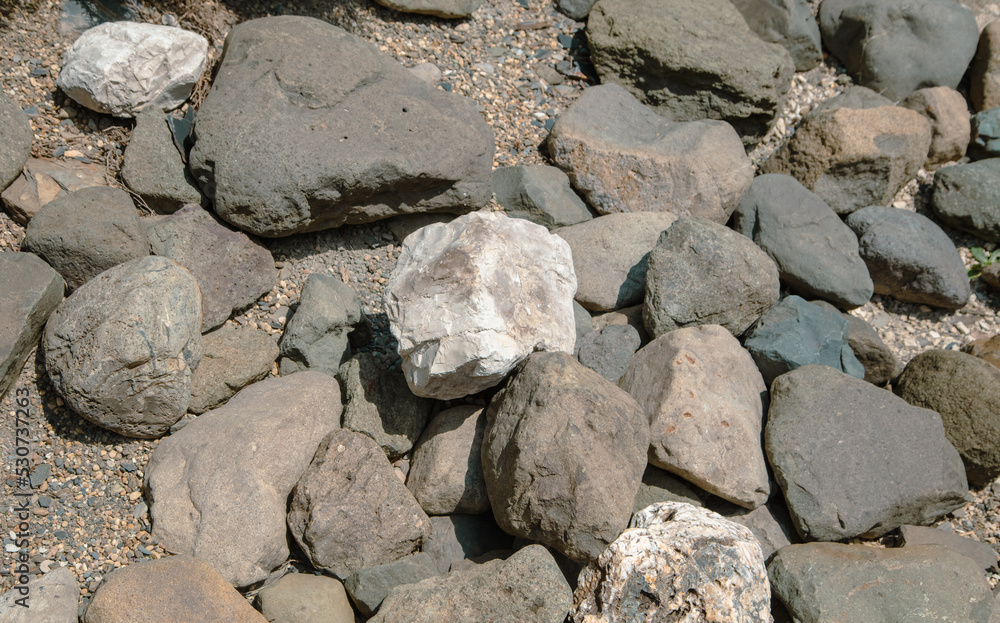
<point>582,321</point>
<point>609,351</point>
<point>816,254</point>
<point>623,157</point>
<point>178,588</point>
<point>704,273</point>
<point>305,598</point>
<point>790,24</point>
<point>446,470</point>
<point>879,362</point>
<point>32,291</point>
<point>119,68</point>
<point>231,360</point>
<point>539,193</point>
<point>703,396</point>
<point>662,486</point>
<point>985,135</point>
<point>577,9</point>
<point>677,56</point>
<point>232,270</point>
<point>855,460</point>
<point>967,197</point>
<point>15,140</point>
<point>438,8</point>
<point>50,599</point>
<point>318,336</point>
<point>378,403</point>
<point>469,300</point>
<point>154,169</point>
<point>528,587</point>
<point>991,275</point>
<point>898,46</point>
<point>676,562</point>
<point>44,180</point>
<point>856,97</point>
<point>459,537</point>
<point>247,454</point>
<point>948,115</point>
<point>965,391</point>
<point>87,232</point>
<point>859,584</point>
<point>910,258</point>
<point>987,349</point>
<point>277,154</point>
<point>982,553</point>
<point>771,526</point>
<point>121,349</point>
<point>984,72</point>
<point>575,496</point>
<point>368,587</point>
<point>350,511</point>
<point>632,316</point>
<point>854,157</point>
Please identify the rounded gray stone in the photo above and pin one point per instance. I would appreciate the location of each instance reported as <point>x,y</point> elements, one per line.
<point>15,140</point>
<point>446,470</point>
<point>967,197</point>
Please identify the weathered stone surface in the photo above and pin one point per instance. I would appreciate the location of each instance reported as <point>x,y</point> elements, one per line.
<point>676,562</point>
<point>583,322</point>
<point>459,537</point>
<point>922,583</point>
<point>121,349</point>
<point>632,316</point>
<point>539,193</point>
<point>404,146</point>
<point>318,336</point>
<point>967,197</point>
<point>305,598</point>
<point>704,273</point>
<point>231,360</point>
<point>119,68</point>
<point>984,72</point>
<point>771,526</point>
<point>703,396</point>
<point>790,24</point>
<point>87,232</point>
<point>677,56</point>
<point>349,511</point>
<point>446,471</point>
<point>898,46</point>
<point>982,553</point>
<point>44,180</point>
<point>985,141</point>
<point>247,454</point>
<point>856,97</point>
<point>49,599</point>
<point>438,8</point>
<point>154,169</point>
<point>575,496</point>
<point>468,300</point>
<point>816,254</point>
<point>368,587</point>
<point>878,360</point>
<point>577,9</point>
<point>609,351</point>
<point>987,349</point>
<point>948,115</point>
<point>855,460</point>
<point>991,276</point>
<point>623,157</point>
<point>661,486</point>
<point>528,587</point>
<point>15,140</point>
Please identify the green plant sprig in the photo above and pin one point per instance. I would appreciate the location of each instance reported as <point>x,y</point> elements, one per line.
<point>983,259</point>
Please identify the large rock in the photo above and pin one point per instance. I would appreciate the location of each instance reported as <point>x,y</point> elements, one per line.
<point>609,350</point>
<point>771,526</point>
<point>575,496</point>
<point>910,258</point>
<point>967,197</point>
<point>855,460</point>
<point>704,273</point>
<point>44,180</point>
<point>987,349</point>
<point>119,68</point>
<point>982,553</point>
<point>305,598</point>
<point>457,538</point>
<point>231,360</point>
<point>247,454</point>
<point>446,471</point>
<point>438,8</point>
<point>121,349</point>
<point>623,157</point>
<point>469,300</point>
<point>984,72</point>
<point>51,598</point>
<point>948,115</point>
<point>661,486</point>
<point>898,46</point>
<point>15,140</point>
<point>677,56</point>
<point>369,587</point>
<point>318,337</point>
<point>703,395</point>
<point>878,360</point>
<point>309,127</point>
<point>790,24</point>
<point>816,254</point>
<point>540,194</point>
<point>676,562</point>
<point>154,169</point>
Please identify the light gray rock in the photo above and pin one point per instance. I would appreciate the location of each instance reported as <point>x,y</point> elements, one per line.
<point>368,587</point>
<point>982,553</point>
<point>305,598</point>
<point>15,140</point>
<point>855,97</point>
<point>154,169</point>
<point>231,360</point>
<point>438,8</point>
<point>460,537</point>
<point>609,351</point>
<point>577,9</point>
<point>318,336</point>
<point>771,526</point>
<point>446,471</point>
<point>51,598</point>
<point>540,194</point>
<point>948,114</point>
<point>790,24</point>
<point>428,72</point>
<point>44,180</point>
<point>584,323</point>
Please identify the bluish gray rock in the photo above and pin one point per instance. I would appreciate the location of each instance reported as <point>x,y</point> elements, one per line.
<point>609,351</point>
<point>985,135</point>
<point>967,197</point>
<point>318,336</point>
<point>790,24</point>
<point>15,140</point>
<point>368,587</point>
<point>154,169</point>
<point>540,194</point>
<point>879,361</point>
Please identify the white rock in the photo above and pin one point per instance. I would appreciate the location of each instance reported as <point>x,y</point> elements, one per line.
<point>119,68</point>
<point>470,299</point>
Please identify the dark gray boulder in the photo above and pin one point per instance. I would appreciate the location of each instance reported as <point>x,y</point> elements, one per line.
<point>540,194</point>
<point>368,587</point>
<point>577,9</point>
<point>982,553</point>
<point>437,8</point>
<point>609,351</point>
<point>15,140</point>
<point>967,197</point>
<point>446,469</point>
<point>878,360</point>
<point>318,336</point>
<point>231,360</point>
<point>153,167</point>
<point>790,24</point>
<point>277,154</point>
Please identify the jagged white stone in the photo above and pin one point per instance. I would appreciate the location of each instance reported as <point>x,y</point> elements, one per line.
<point>470,299</point>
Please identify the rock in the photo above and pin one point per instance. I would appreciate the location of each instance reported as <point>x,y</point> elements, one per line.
<point>677,57</point>
<point>987,349</point>
<point>609,351</point>
<point>528,587</point>
<point>631,316</point>
<point>469,300</point>
<point>991,275</point>
<point>981,553</point>
<point>378,403</point>
<point>879,362</point>
<point>575,496</point>
<point>897,46</point>
<point>119,68</point>
<point>910,258</point>
<point>318,336</point>
<point>231,360</point>
<point>927,583</point>
<point>349,511</point>
<point>702,395</point>
<point>676,561</point>
<point>368,587</point>
<point>854,97</point>
<point>446,471</point>
<point>305,598</point>
<point>540,194</point>
<point>460,537</point>
<point>966,196</point>
<point>984,72</point>
<point>879,464</point>
<point>816,254</point>
<point>428,72</point>
<point>247,454</point>
<point>577,9</point>
<point>44,180</point>
<point>662,486</point>
<point>49,599</point>
<point>948,115</point>
<point>623,157</point>
<point>704,273</point>
<point>610,257</point>
<point>15,140</point>
<point>284,83</point>
<point>176,588</point>
<point>154,169</point>
<point>583,322</point>
<point>854,158</point>
<point>985,135</point>
<point>790,24</point>
<point>404,225</point>
<point>87,232</point>
<point>771,526</point>
<point>965,390</point>
<point>32,290</point>
<point>438,8</point>
<point>121,349</point>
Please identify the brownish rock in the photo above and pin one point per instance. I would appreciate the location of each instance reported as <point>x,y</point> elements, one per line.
<point>43,180</point>
<point>984,71</point>
<point>948,114</point>
<point>987,348</point>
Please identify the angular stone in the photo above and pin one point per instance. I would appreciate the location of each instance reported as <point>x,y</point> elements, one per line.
<point>984,72</point>
<point>446,471</point>
<point>987,349</point>
<point>948,115</point>
<point>985,141</point>
<point>623,157</point>
<point>154,169</point>
<point>982,553</point>
<point>878,360</point>
<point>540,194</point>
<point>231,360</point>
<point>44,180</point>
<point>305,598</point>
<point>967,197</point>
<point>368,587</point>
<point>438,8</point>
<point>609,351</point>
<point>318,336</point>
<point>631,316</point>
<point>790,24</point>
<point>460,537</point>
<point>15,140</point>
<point>771,526</point>
<point>51,598</point>
<point>469,300</point>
